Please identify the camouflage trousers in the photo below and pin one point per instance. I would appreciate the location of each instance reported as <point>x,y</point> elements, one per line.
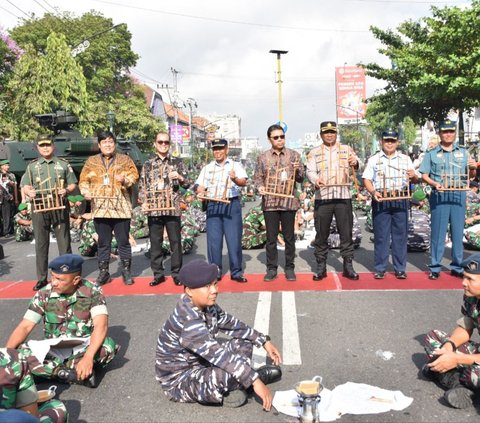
<point>47,369</point>
<point>23,233</point>
<point>53,411</point>
<point>207,385</point>
<point>470,375</point>
<point>253,239</point>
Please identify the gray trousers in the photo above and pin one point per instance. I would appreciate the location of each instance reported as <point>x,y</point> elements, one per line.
<point>207,385</point>
<point>42,222</point>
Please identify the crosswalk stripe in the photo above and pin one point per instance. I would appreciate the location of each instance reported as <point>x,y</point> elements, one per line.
<point>262,324</point>
<point>291,340</point>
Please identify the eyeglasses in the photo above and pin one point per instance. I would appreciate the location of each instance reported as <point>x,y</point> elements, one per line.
<point>163,142</point>
<point>278,137</point>
<point>392,140</point>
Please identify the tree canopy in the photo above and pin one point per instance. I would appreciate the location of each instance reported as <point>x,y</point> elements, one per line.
<point>435,65</point>
<point>91,83</point>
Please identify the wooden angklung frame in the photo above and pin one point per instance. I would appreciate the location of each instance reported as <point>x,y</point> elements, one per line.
<point>219,184</point>
<point>394,183</point>
<point>47,197</point>
<point>280,181</point>
<point>104,196</point>
<point>455,177</point>
<point>333,175</point>
<point>157,195</point>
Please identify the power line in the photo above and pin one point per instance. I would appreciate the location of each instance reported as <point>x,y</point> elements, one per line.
<point>50,6</point>
<point>42,6</point>
<point>11,13</point>
<point>229,21</point>
<point>14,5</point>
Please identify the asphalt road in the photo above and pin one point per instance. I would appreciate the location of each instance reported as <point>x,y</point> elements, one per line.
<point>340,334</point>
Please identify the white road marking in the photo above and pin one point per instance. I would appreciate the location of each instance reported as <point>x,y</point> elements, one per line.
<point>262,324</point>
<point>291,341</point>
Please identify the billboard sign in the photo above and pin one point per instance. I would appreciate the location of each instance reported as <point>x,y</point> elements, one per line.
<point>351,93</point>
<point>176,133</point>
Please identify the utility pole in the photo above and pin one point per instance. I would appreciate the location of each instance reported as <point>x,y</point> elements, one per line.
<point>191,103</point>
<point>279,81</point>
<point>175,107</point>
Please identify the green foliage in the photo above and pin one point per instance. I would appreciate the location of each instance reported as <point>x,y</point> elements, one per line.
<point>44,83</point>
<point>409,130</point>
<point>435,65</point>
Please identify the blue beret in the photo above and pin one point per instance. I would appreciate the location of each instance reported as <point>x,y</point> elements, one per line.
<point>198,273</point>
<point>66,263</point>
<point>447,125</point>
<point>390,135</point>
<point>219,143</point>
<point>472,264</point>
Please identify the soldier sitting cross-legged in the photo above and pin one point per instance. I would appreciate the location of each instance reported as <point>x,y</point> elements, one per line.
<point>193,365</point>
<point>75,313</point>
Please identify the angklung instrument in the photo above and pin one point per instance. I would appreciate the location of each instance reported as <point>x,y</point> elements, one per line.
<point>47,197</point>
<point>217,184</point>
<point>158,195</point>
<point>280,180</point>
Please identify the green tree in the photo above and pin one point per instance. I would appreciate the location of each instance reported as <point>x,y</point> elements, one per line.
<point>105,62</point>
<point>44,83</point>
<point>435,64</point>
<point>409,130</point>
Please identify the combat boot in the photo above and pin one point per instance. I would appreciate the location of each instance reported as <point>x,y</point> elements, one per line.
<point>104,275</point>
<point>321,271</point>
<point>348,270</point>
<point>126,275</point>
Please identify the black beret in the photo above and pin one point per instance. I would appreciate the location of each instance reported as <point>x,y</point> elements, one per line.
<point>472,264</point>
<point>328,126</point>
<point>473,184</point>
<point>66,263</point>
<point>219,143</point>
<point>198,273</point>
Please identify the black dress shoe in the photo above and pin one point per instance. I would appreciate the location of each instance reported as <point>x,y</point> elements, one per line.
<point>40,285</point>
<point>456,274</point>
<point>434,275</point>
<point>269,373</point>
<point>379,275</point>
<point>219,278</point>
<point>319,276</point>
<point>400,275</point>
<point>290,275</point>
<point>157,280</point>
<point>240,279</point>
<point>176,281</point>
<point>270,276</point>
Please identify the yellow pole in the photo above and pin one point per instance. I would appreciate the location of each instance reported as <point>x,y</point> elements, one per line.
<point>279,81</point>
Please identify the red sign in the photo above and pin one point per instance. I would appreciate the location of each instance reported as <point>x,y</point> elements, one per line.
<point>351,93</point>
<point>186,133</point>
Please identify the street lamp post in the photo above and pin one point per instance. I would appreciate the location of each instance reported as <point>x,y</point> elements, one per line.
<point>82,46</point>
<point>191,103</point>
<point>110,119</point>
<point>279,81</point>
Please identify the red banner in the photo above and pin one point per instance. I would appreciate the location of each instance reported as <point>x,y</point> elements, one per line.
<point>351,93</point>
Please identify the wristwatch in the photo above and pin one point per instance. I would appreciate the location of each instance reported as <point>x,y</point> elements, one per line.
<point>267,338</point>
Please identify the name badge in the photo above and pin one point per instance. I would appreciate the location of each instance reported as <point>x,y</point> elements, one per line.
<point>458,155</point>
<point>440,155</point>
<point>283,175</point>
<point>106,180</point>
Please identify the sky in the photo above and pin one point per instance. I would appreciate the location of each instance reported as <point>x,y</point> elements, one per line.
<point>220,49</point>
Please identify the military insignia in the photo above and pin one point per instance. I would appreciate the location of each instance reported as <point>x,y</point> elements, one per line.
<point>440,155</point>
<point>64,268</point>
<point>458,155</point>
<point>473,265</point>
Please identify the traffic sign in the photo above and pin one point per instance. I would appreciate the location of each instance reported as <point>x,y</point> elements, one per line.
<point>283,125</point>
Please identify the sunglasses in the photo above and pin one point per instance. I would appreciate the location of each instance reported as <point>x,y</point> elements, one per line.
<point>163,142</point>
<point>278,137</point>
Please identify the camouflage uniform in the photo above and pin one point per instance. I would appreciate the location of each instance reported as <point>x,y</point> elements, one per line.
<point>76,226</point>
<point>23,233</point>
<point>334,237</point>
<point>67,316</point>
<point>198,216</point>
<point>188,232</point>
<point>470,375</point>
<point>139,223</point>
<point>254,231</point>
<point>473,239</point>
<point>192,365</point>
<point>418,231</point>
<point>17,388</point>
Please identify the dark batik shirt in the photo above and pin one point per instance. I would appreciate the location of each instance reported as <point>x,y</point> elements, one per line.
<point>272,165</point>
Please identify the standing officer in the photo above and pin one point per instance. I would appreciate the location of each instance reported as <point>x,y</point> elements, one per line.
<point>390,217</point>
<point>47,173</point>
<point>8,196</point>
<point>110,174</point>
<point>223,175</point>
<point>330,199</point>
<point>279,210</point>
<point>446,161</point>
<point>162,172</point>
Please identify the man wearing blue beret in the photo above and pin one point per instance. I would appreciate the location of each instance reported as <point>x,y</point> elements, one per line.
<point>454,359</point>
<point>71,307</point>
<point>445,168</point>
<point>192,365</point>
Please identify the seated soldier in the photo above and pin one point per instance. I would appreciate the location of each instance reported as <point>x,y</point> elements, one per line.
<point>77,209</point>
<point>18,391</point>
<point>454,359</point>
<point>70,307</point>
<point>193,365</point>
<point>23,224</point>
